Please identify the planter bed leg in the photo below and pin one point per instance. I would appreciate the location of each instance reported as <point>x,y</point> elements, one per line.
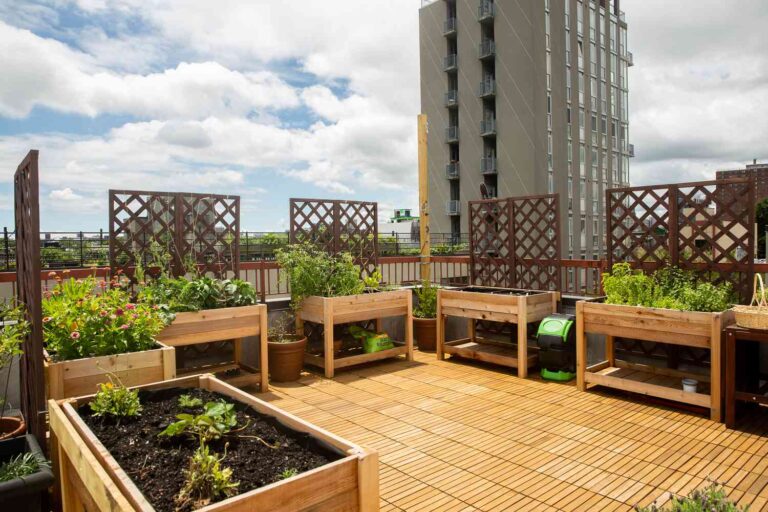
<point>439,332</point>
<point>522,341</point>
<point>581,348</point>
<point>328,338</point>
<point>409,329</point>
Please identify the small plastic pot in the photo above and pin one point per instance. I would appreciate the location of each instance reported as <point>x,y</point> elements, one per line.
<point>690,385</point>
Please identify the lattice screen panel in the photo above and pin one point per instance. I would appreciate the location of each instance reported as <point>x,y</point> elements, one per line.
<point>491,243</point>
<point>29,292</point>
<point>338,226</point>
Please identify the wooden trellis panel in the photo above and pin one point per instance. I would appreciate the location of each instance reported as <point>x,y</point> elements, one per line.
<point>203,229</point>
<point>706,226</point>
<point>29,293</point>
<point>338,226</point>
<point>515,242</point>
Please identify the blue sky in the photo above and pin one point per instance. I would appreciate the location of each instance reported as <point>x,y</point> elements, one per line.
<point>271,99</point>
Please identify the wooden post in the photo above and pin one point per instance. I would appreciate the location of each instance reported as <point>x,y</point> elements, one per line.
<point>440,330</point>
<point>409,328</point>
<point>328,338</point>
<point>263,348</point>
<point>581,348</point>
<point>424,233</point>
<point>610,353</point>
<point>522,338</point>
<point>715,413</point>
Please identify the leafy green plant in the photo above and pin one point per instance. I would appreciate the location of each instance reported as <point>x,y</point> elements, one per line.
<point>199,293</point>
<point>189,402</point>
<point>710,499</point>
<point>670,288</point>
<point>427,298</point>
<point>205,480</point>
<point>310,271</point>
<point>289,473</point>
<point>77,322</point>
<point>218,418</point>
<point>116,401</point>
<point>373,281</point>
<point>13,330</point>
<point>23,464</point>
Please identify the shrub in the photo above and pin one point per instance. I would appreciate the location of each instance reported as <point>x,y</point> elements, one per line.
<point>709,499</point>
<point>205,480</point>
<point>79,323</point>
<point>427,295</point>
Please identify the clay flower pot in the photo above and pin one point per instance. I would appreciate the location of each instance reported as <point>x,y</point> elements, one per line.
<point>286,359</point>
<point>11,426</point>
<point>425,332</point>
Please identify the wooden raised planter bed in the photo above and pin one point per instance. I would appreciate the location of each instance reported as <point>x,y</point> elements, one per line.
<point>224,324</point>
<point>497,305</point>
<point>685,328</point>
<point>79,377</point>
<point>91,478</point>
<point>356,308</point>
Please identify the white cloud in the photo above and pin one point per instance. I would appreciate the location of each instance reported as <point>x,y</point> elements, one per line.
<point>65,194</point>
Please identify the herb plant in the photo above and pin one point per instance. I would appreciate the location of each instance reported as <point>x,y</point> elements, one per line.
<point>200,293</point>
<point>710,499</point>
<point>189,402</point>
<point>283,329</point>
<point>217,419</point>
<point>13,330</point>
<point>427,295</point>
<point>289,473</point>
<point>310,271</point>
<point>205,480</point>
<point>23,464</point>
<point>116,401</point>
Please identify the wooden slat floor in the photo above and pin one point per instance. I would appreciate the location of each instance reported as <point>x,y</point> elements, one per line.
<point>458,436</point>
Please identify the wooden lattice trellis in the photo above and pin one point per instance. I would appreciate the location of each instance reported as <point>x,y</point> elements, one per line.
<point>203,229</point>
<point>515,242</point>
<point>29,293</point>
<point>338,226</point>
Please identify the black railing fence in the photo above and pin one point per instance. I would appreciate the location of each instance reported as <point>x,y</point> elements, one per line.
<point>73,249</point>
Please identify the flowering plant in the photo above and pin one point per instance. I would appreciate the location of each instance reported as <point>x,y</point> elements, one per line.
<point>77,322</point>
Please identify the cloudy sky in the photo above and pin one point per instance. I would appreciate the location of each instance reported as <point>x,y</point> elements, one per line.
<point>272,99</point>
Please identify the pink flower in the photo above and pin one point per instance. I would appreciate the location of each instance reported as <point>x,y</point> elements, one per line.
<point>119,312</point>
<point>113,317</point>
<point>103,313</point>
<point>134,316</point>
<point>102,284</point>
<point>47,295</point>
<point>47,319</point>
<point>130,307</point>
<point>75,335</point>
<point>125,327</point>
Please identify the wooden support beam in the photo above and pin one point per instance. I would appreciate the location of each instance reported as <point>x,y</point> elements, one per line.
<point>424,233</point>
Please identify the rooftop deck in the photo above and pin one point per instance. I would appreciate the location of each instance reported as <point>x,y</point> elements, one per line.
<point>459,437</point>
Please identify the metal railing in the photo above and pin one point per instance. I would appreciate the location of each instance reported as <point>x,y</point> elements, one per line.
<point>488,165</point>
<point>449,26</point>
<point>452,98</point>
<point>488,127</point>
<point>452,170</point>
<point>450,62</point>
<point>487,49</point>
<point>453,207</point>
<point>452,134</point>
<point>487,88</point>
<point>486,10</point>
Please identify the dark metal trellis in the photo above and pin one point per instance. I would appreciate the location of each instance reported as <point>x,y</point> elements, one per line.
<point>29,293</point>
<point>338,226</point>
<point>515,242</point>
<point>200,229</point>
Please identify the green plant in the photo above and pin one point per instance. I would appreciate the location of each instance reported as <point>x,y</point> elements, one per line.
<point>218,418</point>
<point>310,271</point>
<point>427,296</point>
<point>283,329</point>
<point>288,473</point>
<point>189,402</point>
<point>199,293</point>
<point>13,331</point>
<point>373,281</point>
<point>710,499</point>
<point>115,400</point>
<point>77,322</point>
<point>205,480</point>
<point>23,464</point>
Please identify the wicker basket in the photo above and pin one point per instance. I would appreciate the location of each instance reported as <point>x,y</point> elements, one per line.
<point>754,316</point>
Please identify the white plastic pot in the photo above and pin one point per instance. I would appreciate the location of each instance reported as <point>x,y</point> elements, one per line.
<point>690,385</point>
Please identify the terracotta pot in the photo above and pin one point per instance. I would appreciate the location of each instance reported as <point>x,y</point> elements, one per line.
<point>286,359</point>
<point>425,332</point>
<point>11,426</point>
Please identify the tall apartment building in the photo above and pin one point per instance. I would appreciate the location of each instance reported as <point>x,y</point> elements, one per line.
<point>526,97</point>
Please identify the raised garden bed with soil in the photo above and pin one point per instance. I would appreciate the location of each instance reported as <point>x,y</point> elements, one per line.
<point>478,303</point>
<point>128,465</point>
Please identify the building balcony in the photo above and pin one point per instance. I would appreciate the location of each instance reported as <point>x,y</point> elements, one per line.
<point>486,11</point>
<point>451,62</point>
<point>452,171</point>
<point>452,99</point>
<point>452,134</point>
<point>488,128</point>
<point>631,151</point>
<point>453,207</point>
<point>487,49</point>
<point>449,27</point>
<point>487,88</point>
<point>630,59</point>
<point>488,165</point>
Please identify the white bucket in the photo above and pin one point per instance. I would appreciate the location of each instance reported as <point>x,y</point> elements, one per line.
<point>690,385</point>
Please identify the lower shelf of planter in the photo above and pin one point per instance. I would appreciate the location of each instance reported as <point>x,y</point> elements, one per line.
<point>649,383</point>
<point>235,374</point>
<point>352,359</point>
<point>488,351</point>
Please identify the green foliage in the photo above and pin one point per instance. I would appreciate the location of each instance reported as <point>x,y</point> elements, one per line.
<point>23,464</point>
<point>444,249</point>
<point>373,281</point>
<point>310,271</point>
<point>205,480</point>
<point>427,298</point>
<point>288,473</point>
<point>669,287</point>
<point>77,322</point>
<point>115,400</point>
<point>12,334</point>
<point>217,419</point>
<point>199,293</point>
<point>710,499</point>
<point>189,402</point>
<point>283,329</point>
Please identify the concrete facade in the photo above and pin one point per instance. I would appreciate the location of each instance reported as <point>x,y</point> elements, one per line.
<point>537,151</point>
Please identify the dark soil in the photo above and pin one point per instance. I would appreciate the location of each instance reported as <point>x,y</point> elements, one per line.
<point>156,464</point>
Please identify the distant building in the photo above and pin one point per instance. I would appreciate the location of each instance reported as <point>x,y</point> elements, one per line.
<point>403,215</point>
<point>757,171</point>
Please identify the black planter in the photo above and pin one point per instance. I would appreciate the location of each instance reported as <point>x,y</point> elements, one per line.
<point>28,493</point>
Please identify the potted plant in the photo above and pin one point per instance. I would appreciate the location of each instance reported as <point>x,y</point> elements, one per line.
<point>13,329</point>
<point>25,474</point>
<point>286,350</point>
<point>89,334</point>
<point>425,316</point>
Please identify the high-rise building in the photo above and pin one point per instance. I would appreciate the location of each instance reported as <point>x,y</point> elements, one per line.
<point>526,97</point>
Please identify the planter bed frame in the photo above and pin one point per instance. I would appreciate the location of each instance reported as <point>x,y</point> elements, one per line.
<point>90,477</point>
<point>497,305</point>
<point>684,328</point>
<point>225,324</point>
<point>330,311</point>
<point>78,377</point>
